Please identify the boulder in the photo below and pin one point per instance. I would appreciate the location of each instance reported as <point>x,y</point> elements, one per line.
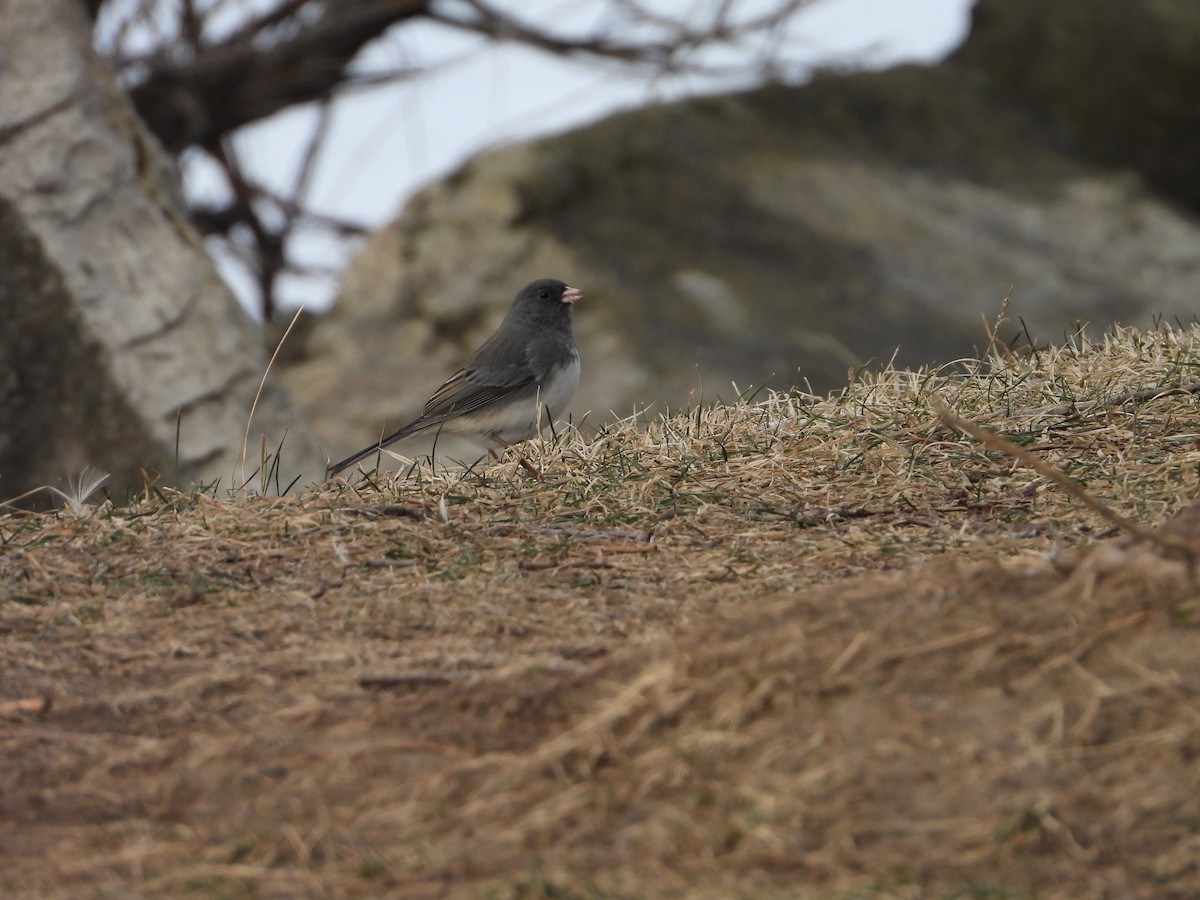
<point>1117,76</point>
<point>781,236</point>
<point>122,349</point>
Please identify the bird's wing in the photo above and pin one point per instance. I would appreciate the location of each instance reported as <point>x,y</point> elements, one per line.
<point>465,391</point>
<point>500,369</point>
<point>471,389</point>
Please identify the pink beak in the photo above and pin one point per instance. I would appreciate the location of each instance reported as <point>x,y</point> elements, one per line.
<point>572,295</point>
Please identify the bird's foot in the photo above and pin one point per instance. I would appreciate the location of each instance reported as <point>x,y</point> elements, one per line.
<point>521,460</point>
<point>528,467</point>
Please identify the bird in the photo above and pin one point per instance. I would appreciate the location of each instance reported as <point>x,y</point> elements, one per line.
<point>529,365</point>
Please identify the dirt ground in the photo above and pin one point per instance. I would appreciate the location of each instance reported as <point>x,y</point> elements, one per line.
<point>798,647</point>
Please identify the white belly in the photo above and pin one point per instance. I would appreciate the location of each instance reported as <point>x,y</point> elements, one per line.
<point>560,388</point>
<point>521,422</point>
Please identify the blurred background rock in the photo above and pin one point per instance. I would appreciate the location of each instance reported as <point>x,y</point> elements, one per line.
<point>789,234</point>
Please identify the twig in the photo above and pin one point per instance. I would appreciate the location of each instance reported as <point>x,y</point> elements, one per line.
<point>993,330</point>
<point>398,510</point>
<point>611,533</point>
<point>389,563</point>
<point>1169,546</point>
<point>407,679</point>
<point>833,678</point>
<point>1073,408</point>
<point>25,706</point>
<point>262,384</point>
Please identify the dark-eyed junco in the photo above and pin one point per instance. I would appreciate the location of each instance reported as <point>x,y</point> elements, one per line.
<point>530,365</point>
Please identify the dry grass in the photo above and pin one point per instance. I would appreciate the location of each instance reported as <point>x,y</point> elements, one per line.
<point>680,665</point>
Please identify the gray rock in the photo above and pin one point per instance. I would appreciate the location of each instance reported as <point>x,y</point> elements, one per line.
<point>778,236</point>
<point>1117,78</point>
<point>121,347</point>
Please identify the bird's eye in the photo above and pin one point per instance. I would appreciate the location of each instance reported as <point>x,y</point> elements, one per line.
<point>543,295</point>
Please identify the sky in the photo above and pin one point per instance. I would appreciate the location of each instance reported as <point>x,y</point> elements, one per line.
<point>388,143</point>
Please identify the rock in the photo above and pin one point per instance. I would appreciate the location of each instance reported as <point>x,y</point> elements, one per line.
<point>778,236</point>
<point>122,349</point>
<point>1117,77</point>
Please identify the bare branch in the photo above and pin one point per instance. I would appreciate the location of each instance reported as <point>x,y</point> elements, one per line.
<point>197,72</point>
<point>260,69</point>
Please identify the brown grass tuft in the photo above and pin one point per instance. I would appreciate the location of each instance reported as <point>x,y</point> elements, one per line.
<point>792,647</point>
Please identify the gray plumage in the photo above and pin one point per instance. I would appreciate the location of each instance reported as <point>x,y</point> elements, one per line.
<point>527,366</point>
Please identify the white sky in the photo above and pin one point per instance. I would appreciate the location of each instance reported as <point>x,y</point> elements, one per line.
<point>387,143</point>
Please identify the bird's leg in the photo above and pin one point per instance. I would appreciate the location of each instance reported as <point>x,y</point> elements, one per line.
<point>521,460</point>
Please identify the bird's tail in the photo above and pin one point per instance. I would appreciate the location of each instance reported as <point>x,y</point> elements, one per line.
<point>405,431</point>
